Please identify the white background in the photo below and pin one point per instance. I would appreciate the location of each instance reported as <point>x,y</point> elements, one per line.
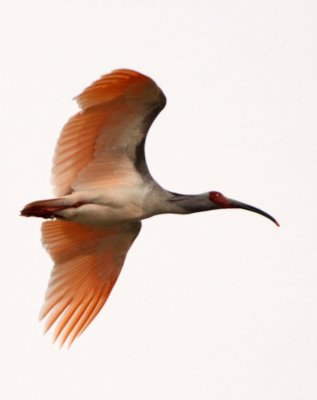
<point>218,305</point>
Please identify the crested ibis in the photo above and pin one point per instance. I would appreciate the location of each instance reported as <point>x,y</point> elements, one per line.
<point>103,190</point>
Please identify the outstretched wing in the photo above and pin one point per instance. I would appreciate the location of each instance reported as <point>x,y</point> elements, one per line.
<point>104,143</point>
<point>88,261</point>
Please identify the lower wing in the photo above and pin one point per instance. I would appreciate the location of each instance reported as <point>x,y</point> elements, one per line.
<point>88,261</point>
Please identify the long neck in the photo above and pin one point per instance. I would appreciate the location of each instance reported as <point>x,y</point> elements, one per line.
<point>187,204</point>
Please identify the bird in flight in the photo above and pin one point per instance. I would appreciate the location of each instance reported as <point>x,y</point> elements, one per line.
<point>103,190</point>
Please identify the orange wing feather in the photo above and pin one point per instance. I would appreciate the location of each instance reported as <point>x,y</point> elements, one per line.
<point>112,86</point>
<point>88,261</point>
<point>97,146</point>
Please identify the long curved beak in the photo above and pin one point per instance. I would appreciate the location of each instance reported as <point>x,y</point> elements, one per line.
<point>239,204</point>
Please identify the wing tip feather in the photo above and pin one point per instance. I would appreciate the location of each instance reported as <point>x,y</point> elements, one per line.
<point>109,86</point>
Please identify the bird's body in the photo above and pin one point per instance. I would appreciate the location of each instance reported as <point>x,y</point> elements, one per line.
<point>108,207</point>
<point>104,189</point>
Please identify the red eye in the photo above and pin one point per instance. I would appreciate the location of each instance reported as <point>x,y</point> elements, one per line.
<point>215,196</point>
<point>219,199</point>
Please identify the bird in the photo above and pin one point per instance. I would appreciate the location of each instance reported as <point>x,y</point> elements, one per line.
<point>103,190</point>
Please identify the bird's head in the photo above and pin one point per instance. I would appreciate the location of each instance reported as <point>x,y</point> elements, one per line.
<point>218,201</point>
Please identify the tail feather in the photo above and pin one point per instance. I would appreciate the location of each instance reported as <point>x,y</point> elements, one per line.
<point>45,208</point>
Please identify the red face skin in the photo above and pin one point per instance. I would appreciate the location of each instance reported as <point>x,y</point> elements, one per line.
<point>223,202</point>
<point>220,200</point>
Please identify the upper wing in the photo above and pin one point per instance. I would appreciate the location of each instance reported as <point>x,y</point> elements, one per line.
<point>104,143</point>
<point>88,261</point>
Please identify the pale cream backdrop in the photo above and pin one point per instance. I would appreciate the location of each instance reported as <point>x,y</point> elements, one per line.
<point>218,305</point>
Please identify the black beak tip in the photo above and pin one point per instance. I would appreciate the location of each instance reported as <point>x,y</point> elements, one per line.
<point>238,204</point>
<point>276,222</point>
